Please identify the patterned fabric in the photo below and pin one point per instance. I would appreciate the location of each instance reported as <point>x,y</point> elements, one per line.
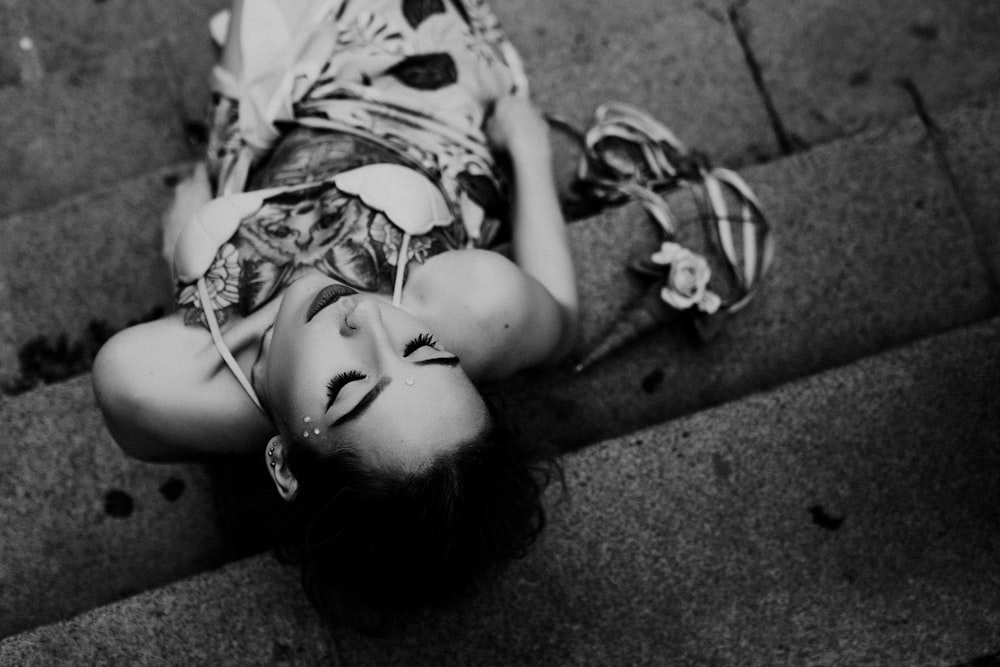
<point>399,81</point>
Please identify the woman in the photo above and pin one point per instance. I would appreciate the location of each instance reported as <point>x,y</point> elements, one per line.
<point>350,302</point>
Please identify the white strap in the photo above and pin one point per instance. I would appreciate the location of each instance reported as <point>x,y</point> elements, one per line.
<point>227,356</point>
<point>397,290</point>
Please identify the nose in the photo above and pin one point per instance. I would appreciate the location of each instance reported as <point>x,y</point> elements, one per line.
<point>364,314</point>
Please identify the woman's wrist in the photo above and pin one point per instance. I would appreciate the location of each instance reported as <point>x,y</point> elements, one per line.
<point>531,160</point>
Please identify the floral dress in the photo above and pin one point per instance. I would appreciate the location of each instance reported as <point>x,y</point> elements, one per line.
<point>337,89</point>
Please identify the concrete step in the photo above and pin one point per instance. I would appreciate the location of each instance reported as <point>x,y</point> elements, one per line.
<point>967,136</point>
<point>72,153</point>
<point>874,251</point>
<point>835,67</point>
<point>875,247</point>
<point>110,71</point>
<point>81,524</point>
<point>79,269</point>
<point>845,518</point>
<point>679,59</point>
<point>97,123</point>
<point>128,83</point>
<point>68,34</point>
<point>876,202</point>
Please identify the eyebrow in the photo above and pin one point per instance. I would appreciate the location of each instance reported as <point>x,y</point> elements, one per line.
<point>365,402</point>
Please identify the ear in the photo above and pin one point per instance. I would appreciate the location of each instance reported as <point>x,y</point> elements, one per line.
<point>283,478</point>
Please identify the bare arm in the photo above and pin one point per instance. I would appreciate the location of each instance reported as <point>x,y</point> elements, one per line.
<point>540,245</point>
<point>166,396</point>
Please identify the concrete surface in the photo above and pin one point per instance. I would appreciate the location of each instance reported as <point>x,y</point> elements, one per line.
<point>90,258</point>
<point>82,525</point>
<point>847,518</point>
<point>188,47</point>
<point>885,236</point>
<point>857,213</point>
<point>967,136</point>
<point>834,67</point>
<point>872,251</point>
<point>661,55</point>
<point>56,134</point>
<point>67,34</point>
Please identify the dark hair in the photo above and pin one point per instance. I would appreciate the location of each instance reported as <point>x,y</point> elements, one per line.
<point>375,544</point>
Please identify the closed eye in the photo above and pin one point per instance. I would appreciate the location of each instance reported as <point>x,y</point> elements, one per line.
<point>339,382</point>
<point>422,340</point>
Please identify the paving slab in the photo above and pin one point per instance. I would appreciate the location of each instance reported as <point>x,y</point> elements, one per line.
<point>190,51</point>
<point>80,524</point>
<point>91,258</point>
<point>94,124</point>
<point>70,33</point>
<point>969,136</point>
<point>872,251</point>
<point>846,518</point>
<point>677,59</point>
<point>834,67</point>
<point>13,28</point>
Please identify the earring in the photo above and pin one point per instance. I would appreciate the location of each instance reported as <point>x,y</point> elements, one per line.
<point>307,419</point>
<point>270,450</point>
<point>409,382</point>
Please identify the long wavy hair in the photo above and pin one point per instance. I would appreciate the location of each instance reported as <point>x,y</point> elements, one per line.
<point>375,545</point>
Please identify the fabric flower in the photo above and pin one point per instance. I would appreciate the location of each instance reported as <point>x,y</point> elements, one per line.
<point>710,303</point>
<point>687,280</point>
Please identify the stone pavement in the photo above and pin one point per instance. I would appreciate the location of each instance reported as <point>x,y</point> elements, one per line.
<point>869,132</point>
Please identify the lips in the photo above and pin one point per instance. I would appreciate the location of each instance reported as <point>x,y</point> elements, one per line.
<point>328,296</point>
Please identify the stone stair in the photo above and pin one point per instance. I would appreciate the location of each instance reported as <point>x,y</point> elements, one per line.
<point>701,529</point>
<point>845,518</point>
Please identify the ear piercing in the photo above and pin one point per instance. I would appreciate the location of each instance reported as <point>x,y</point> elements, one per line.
<point>307,419</point>
<point>270,453</point>
<point>409,382</point>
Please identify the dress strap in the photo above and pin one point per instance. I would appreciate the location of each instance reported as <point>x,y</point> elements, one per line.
<point>220,344</point>
<point>397,290</point>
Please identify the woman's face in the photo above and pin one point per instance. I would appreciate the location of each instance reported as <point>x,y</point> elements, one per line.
<point>340,367</point>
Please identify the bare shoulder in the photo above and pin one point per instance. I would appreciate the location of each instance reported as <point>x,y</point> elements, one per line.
<point>496,317</point>
<point>163,396</point>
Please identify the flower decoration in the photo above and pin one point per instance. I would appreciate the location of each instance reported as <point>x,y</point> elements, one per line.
<point>687,276</point>
<point>630,156</point>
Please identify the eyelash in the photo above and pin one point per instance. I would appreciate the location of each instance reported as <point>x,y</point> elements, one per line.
<point>337,383</point>
<point>334,386</point>
<point>422,340</point>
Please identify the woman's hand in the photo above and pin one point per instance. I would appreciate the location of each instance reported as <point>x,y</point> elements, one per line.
<point>519,129</point>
